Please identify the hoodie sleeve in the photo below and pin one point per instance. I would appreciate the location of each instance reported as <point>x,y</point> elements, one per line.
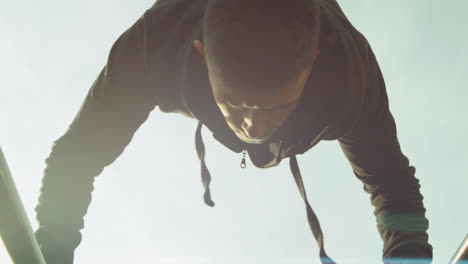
<point>374,153</point>
<point>118,102</point>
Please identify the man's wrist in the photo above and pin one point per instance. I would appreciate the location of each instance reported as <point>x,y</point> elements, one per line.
<point>57,254</point>
<point>409,253</point>
<point>58,245</point>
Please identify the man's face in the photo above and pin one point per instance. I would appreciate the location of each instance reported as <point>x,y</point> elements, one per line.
<point>254,116</point>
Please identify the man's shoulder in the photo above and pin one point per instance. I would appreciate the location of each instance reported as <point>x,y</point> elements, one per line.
<point>335,17</point>
<point>178,11</point>
<point>169,29</point>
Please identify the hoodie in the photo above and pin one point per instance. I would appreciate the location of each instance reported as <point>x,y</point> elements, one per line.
<point>154,64</point>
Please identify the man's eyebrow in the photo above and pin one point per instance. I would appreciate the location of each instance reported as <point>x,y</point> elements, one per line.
<point>271,108</point>
<point>278,107</point>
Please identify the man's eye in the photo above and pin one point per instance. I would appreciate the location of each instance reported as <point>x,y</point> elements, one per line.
<point>233,106</point>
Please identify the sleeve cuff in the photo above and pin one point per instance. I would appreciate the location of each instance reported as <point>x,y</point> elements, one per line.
<point>414,251</point>
<point>58,246</point>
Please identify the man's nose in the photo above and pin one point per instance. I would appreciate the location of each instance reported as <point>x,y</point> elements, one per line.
<point>252,128</point>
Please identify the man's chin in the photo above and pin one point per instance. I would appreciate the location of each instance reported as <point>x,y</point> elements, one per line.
<point>253,140</point>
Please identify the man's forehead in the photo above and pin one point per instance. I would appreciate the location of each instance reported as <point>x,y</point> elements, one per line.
<point>251,96</point>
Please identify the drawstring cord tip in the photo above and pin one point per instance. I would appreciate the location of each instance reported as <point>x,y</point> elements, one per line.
<point>210,203</point>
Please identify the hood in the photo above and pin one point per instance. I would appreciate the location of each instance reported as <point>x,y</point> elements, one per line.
<point>329,106</point>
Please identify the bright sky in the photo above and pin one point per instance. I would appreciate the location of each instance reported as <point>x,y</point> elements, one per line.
<point>147,207</point>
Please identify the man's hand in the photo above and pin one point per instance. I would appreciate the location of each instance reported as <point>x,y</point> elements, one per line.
<point>407,261</point>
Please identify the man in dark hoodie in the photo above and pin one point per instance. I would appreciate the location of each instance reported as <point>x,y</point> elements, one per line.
<point>270,78</point>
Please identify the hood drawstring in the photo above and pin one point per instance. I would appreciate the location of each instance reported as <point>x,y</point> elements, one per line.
<point>311,217</point>
<point>205,174</point>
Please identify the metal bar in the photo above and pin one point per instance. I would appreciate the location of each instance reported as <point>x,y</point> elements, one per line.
<point>461,256</point>
<point>15,228</point>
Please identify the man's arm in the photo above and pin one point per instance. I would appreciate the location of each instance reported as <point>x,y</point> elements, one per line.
<point>374,153</point>
<point>118,102</point>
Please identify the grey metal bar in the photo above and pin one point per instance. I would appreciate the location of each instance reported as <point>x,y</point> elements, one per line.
<point>15,228</point>
<point>461,256</point>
